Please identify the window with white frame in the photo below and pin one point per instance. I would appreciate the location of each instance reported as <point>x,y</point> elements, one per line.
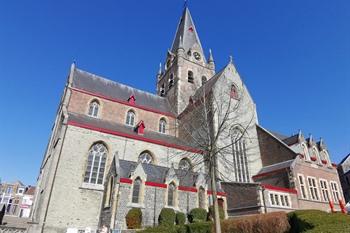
<point>130,118</point>
<point>93,108</point>
<point>96,164</point>
<point>313,188</point>
<point>324,190</point>
<point>302,186</point>
<point>335,191</point>
<point>9,189</point>
<point>239,152</point>
<point>162,125</point>
<point>279,199</point>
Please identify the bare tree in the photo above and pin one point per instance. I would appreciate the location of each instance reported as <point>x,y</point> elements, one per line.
<point>208,124</point>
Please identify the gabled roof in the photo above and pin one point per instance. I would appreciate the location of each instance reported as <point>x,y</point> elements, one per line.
<point>157,174</point>
<point>92,83</point>
<point>344,159</point>
<point>275,167</point>
<point>186,30</point>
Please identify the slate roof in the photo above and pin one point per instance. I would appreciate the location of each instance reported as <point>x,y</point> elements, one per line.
<point>30,190</point>
<point>187,31</point>
<point>157,174</point>
<point>99,85</point>
<point>103,124</point>
<point>289,140</point>
<point>275,167</point>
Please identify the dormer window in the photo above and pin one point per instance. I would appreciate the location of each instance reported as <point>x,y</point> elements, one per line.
<point>93,108</point>
<point>130,118</point>
<point>190,78</point>
<point>145,157</point>
<point>204,80</point>
<point>132,99</point>
<point>136,190</point>
<point>171,194</point>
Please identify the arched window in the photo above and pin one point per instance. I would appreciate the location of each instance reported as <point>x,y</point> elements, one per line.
<point>239,152</point>
<point>201,198</point>
<point>190,78</point>
<point>185,164</point>
<point>96,164</point>
<point>93,108</point>
<point>145,157</point>
<point>162,125</point>
<point>171,194</point>
<point>130,118</point>
<point>162,90</point>
<point>234,92</point>
<point>171,80</point>
<point>204,80</point>
<point>136,190</point>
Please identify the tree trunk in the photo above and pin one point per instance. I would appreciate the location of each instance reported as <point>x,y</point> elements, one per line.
<point>215,199</point>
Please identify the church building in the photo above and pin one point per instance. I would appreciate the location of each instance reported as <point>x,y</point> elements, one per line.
<point>114,147</point>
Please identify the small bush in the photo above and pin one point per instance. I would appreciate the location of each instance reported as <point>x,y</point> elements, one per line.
<point>276,222</point>
<point>134,218</point>
<point>165,229</point>
<point>211,213</point>
<point>197,215</point>
<point>166,217</point>
<point>199,227</point>
<point>180,218</point>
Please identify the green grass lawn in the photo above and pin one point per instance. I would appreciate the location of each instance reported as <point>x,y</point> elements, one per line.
<point>312,221</point>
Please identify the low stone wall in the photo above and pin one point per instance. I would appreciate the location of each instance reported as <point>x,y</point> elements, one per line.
<point>4,229</point>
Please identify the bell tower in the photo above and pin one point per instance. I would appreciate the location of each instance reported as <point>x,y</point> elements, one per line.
<point>186,68</point>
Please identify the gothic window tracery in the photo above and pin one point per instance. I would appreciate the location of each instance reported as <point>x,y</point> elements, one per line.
<point>240,159</point>
<point>96,164</point>
<point>93,108</point>
<point>145,157</point>
<point>234,92</point>
<point>171,80</point>
<point>201,198</point>
<point>185,164</point>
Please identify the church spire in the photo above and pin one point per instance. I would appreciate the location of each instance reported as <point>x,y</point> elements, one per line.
<point>186,31</point>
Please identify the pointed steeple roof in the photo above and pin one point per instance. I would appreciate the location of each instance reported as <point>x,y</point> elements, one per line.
<point>186,31</point>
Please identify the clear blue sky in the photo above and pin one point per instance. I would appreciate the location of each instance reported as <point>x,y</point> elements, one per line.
<point>293,55</point>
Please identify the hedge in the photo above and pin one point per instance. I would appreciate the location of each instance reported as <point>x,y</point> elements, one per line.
<point>197,215</point>
<point>211,213</point>
<point>312,221</point>
<point>276,222</point>
<point>134,218</point>
<point>180,218</point>
<point>166,217</point>
<point>200,227</point>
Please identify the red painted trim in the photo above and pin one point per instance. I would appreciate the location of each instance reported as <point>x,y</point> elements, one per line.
<point>136,137</point>
<point>154,184</point>
<point>324,161</point>
<point>269,173</point>
<point>218,193</point>
<point>313,158</point>
<point>334,165</point>
<point>187,189</point>
<point>126,180</point>
<point>271,187</point>
<point>124,102</point>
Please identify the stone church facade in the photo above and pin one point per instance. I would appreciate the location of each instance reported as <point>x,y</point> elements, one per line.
<point>114,147</point>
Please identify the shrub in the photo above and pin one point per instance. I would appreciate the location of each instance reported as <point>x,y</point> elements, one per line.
<point>197,215</point>
<point>165,229</point>
<point>199,227</point>
<point>312,221</point>
<point>180,218</point>
<point>134,218</point>
<point>276,222</point>
<point>211,213</point>
<point>166,217</point>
